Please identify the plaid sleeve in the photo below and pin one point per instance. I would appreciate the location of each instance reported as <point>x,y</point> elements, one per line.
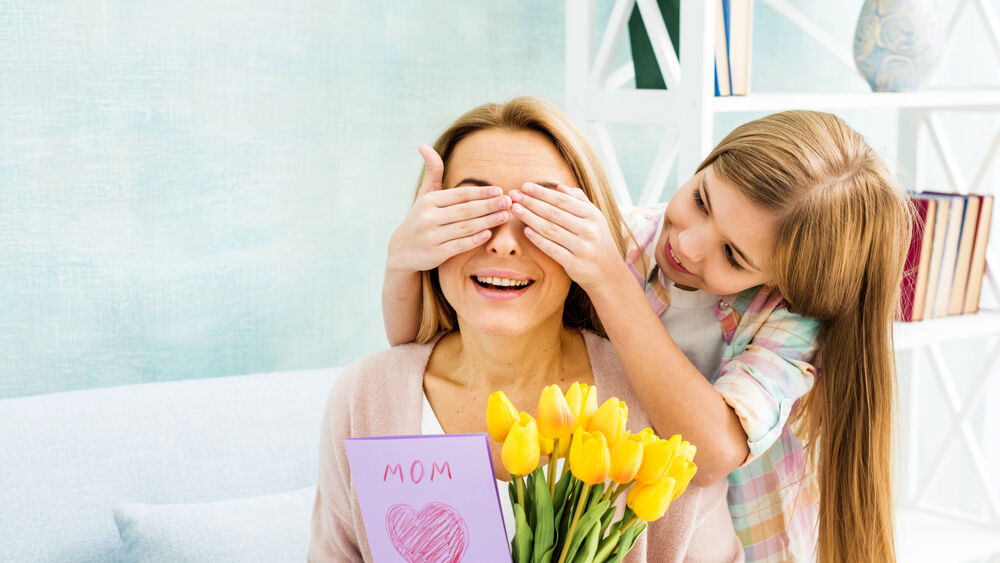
<point>773,371</point>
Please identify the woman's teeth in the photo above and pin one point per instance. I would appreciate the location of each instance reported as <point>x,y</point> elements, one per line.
<point>675,257</point>
<point>502,282</point>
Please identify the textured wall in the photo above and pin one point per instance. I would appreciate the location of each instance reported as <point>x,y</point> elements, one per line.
<point>194,189</point>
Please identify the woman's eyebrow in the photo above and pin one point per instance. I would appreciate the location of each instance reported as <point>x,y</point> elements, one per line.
<point>473,182</point>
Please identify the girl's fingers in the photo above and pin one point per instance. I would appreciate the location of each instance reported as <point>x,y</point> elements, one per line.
<point>548,229</point>
<point>472,209</point>
<point>433,170</point>
<point>463,244</point>
<point>461,229</point>
<point>551,249</point>
<point>573,192</point>
<point>547,211</point>
<point>560,199</point>
<point>444,198</point>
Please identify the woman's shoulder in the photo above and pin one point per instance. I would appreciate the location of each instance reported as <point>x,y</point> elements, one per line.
<point>368,380</point>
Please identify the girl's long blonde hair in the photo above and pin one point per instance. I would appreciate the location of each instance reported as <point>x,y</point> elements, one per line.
<point>842,235</point>
<point>528,113</point>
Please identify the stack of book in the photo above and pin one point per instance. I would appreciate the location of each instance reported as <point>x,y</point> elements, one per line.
<point>947,257</point>
<point>733,28</point>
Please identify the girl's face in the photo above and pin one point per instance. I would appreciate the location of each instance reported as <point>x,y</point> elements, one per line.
<point>714,238</point>
<point>507,286</point>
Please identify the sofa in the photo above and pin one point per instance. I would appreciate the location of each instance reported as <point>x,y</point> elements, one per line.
<point>218,469</point>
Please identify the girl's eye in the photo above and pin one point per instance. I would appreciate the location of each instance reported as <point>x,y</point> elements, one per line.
<point>698,201</point>
<point>732,259</point>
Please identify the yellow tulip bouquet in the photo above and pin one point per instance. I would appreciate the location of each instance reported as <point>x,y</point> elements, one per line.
<point>572,519</point>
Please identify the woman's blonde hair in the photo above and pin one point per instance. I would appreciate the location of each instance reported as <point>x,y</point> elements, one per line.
<point>841,239</point>
<point>528,113</point>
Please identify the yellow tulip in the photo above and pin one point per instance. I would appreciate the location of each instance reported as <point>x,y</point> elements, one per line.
<point>681,471</point>
<point>650,501</point>
<point>582,401</point>
<point>626,457</point>
<point>645,436</point>
<point>610,420</point>
<point>656,458</point>
<point>544,444</point>
<point>500,416</point>
<point>555,419</point>
<point>589,458</point>
<point>521,451</point>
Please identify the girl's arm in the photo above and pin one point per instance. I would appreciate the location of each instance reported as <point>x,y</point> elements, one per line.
<point>441,224</point>
<point>678,399</point>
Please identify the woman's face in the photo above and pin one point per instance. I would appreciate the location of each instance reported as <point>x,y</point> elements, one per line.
<point>714,238</point>
<point>507,286</point>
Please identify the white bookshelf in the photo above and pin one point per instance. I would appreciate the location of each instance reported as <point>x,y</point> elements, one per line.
<point>598,95</point>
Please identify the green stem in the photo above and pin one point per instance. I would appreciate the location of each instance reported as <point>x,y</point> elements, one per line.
<point>618,491</point>
<point>519,486</point>
<point>581,504</point>
<point>607,493</point>
<point>553,458</point>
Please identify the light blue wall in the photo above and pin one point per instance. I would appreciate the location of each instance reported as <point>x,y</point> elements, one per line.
<point>195,189</point>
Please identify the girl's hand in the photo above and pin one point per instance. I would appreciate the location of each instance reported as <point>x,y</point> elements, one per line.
<point>565,225</point>
<point>443,223</point>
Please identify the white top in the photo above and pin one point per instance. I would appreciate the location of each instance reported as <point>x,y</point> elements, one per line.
<point>690,319</point>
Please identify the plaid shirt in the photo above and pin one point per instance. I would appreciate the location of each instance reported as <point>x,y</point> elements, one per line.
<point>773,499</point>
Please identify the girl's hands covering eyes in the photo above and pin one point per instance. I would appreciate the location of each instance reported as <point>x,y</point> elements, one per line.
<point>443,223</point>
<point>565,225</point>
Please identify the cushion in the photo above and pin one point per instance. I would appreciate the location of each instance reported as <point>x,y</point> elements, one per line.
<point>257,529</point>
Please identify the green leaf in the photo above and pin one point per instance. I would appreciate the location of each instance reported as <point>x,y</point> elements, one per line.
<point>596,492</point>
<point>512,490</point>
<point>521,544</point>
<point>606,518</point>
<point>626,541</point>
<point>529,501</point>
<point>560,503</point>
<point>544,526</point>
<point>589,547</point>
<point>569,508</point>
<point>591,518</point>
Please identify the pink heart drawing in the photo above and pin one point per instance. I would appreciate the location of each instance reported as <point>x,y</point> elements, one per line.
<point>436,534</point>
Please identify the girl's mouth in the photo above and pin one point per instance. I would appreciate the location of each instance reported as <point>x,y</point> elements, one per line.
<point>672,259</point>
<point>500,289</point>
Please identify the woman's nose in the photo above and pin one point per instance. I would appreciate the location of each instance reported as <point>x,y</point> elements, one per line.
<point>506,239</point>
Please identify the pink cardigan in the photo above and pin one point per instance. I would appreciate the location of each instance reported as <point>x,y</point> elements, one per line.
<point>697,527</point>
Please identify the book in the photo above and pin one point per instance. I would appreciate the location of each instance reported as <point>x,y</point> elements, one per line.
<point>977,265</point>
<point>949,254</point>
<point>647,69</point>
<point>722,47</point>
<point>934,269</point>
<point>914,282</point>
<point>963,262</point>
<point>740,33</point>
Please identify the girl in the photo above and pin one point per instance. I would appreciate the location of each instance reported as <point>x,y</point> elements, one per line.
<point>794,228</point>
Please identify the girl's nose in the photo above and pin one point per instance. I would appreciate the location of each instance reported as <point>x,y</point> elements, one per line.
<point>691,245</point>
<point>506,239</point>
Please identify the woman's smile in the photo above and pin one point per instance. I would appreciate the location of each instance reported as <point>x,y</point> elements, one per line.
<point>501,285</point>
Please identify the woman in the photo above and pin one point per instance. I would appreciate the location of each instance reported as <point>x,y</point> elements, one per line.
<point>502,316</point>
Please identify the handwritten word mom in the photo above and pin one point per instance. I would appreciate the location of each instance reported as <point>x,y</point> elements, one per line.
<point>417,471</point>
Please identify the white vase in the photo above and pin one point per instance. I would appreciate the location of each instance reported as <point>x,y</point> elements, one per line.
<point>897,44</point>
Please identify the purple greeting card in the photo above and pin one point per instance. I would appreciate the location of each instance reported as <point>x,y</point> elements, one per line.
<point>428,498</point>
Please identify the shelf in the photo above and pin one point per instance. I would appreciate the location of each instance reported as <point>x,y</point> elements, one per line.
<point>959,327</point>
<point>660,106</point>
<point>968,99</point>
<point>923,537</point>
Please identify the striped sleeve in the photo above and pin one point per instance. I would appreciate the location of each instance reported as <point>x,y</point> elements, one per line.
<point>774,370</point>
